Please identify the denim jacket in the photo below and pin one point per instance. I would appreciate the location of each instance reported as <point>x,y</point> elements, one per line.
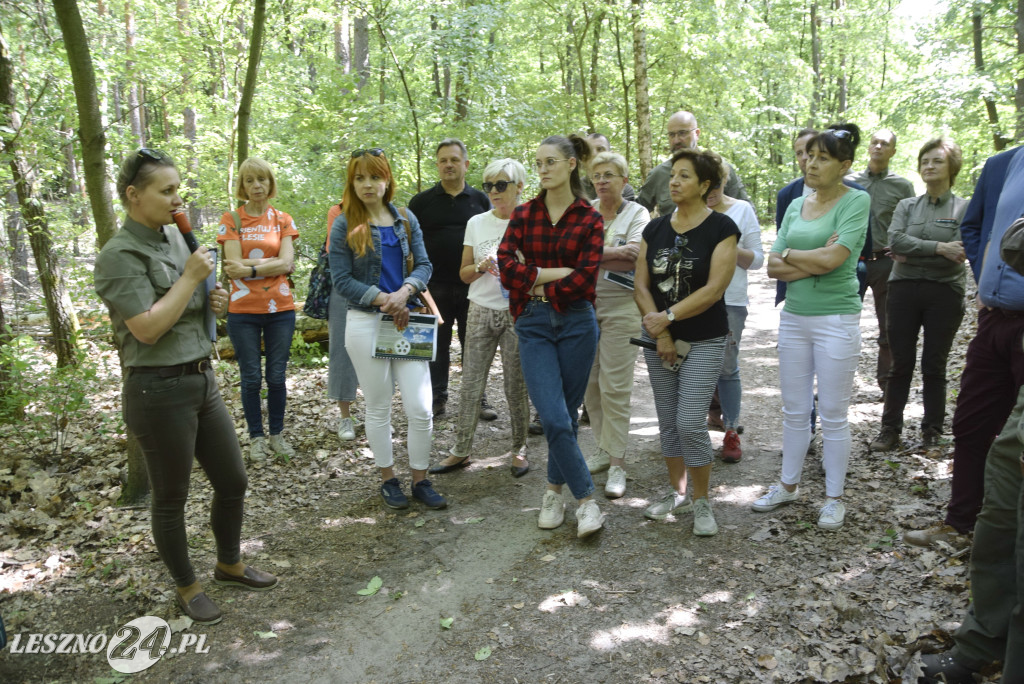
<point>356,278</point>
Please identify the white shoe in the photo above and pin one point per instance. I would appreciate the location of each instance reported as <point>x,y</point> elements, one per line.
<point>346,429</point>
<point>589,519</point>
<point>280,447</point>
<point>776,496</point>
<point>552,510</point>
<point>832,515</point>
<point>259,450</point>
<point>616,484</point>
<point>672,501</point>
<point>599,462</point>
<point>704,524</point>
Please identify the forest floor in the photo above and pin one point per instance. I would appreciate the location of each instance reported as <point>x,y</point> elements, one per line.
<point>476,592</point>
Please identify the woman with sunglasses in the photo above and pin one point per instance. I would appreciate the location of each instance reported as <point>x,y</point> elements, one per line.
<point>549,260</point>
<point>611,377</point>
<point>686,261</point>
<point>157,300</point>
<point>489,322</point>
<point>258,258</point>
<point>816,254</point>
<point>379,265</point>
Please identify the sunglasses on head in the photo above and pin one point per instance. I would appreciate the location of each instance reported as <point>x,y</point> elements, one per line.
<point>838,133</point>
<point>373,151</point>
<point>500,186</point>
<point>143,155</point>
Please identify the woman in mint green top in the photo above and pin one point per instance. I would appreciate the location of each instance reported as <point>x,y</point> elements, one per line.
<point>819,328</point>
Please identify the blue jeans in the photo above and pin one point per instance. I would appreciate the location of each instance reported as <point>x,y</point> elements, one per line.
<point>276,330</point>
<point>556,351</point>
<point>730,391</point>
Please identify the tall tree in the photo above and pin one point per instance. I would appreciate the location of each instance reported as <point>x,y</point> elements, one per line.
<point>259,19</point>
<point>59,309</point>
<point>643,106</point>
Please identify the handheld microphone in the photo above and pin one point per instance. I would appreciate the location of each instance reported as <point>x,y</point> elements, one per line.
<point>181,219</point>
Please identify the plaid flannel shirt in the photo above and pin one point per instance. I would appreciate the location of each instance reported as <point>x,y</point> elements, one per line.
<point>576,241</point>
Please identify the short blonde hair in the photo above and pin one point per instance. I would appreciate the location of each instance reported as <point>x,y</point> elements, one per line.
<point>613,158</point>
<point>255,165</point>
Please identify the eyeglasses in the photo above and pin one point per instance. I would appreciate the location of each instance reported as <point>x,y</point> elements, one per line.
<point>540,164</point>
<point>500,186</point>
<point>677,249</point>
<point>143,155</point>
<point>838,133</point>
<point>374,151</point>
<point>601,177</point>
<point>681,133</point>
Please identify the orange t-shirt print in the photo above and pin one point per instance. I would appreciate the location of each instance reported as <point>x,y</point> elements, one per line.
<point>260,238</point>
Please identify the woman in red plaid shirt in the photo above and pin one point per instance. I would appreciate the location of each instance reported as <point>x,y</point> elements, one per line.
<point>549,261</point>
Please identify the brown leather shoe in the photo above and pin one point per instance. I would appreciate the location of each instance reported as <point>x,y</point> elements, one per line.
<point>201,609</point>
<point>254,579</point>
<point>928,537</point>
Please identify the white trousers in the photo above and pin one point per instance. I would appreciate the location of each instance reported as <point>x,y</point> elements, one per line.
<point>827,347</point>
<point>378,378</point>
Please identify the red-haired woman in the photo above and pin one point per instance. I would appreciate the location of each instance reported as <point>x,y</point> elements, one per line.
<point>369,267</point>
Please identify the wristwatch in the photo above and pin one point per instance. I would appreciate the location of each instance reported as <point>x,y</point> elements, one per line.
<point>785,254</point>
<point>671,316</point>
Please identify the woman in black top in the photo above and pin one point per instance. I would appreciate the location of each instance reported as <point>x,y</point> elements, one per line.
<point>686,262</point>
<point>155,292</point>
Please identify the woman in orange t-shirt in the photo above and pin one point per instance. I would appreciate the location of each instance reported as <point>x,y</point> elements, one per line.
<point>258,256</point>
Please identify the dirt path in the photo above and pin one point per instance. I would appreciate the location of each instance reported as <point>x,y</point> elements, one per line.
<point>770,598</point>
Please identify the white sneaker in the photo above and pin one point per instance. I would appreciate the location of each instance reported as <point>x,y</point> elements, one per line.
<point>589,519</point>
<point>599,461</point>
<point>704,524</point>
<point>672,501</point>
<point>552,510</point>
<point>776,496</point>
<point>616,484</point>
<point>259,450</point>
<point>832,515</point>
<point>280,447</point>
<point>346,429</point>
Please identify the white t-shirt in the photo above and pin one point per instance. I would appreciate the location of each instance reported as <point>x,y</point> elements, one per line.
<point>627,227</point>
<point>742,213</point>
<point>484,233</point>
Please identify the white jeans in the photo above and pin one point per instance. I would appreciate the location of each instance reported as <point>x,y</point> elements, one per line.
<point>378,377</point>
<point>827,347</point>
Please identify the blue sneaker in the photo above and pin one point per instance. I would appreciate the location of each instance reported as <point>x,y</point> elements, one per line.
<point>391,492</point>
<point>425,494</point>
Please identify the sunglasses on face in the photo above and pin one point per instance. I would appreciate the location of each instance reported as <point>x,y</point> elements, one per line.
<point>143,155</point>
<point>373,151</point>
<point>500,186</point>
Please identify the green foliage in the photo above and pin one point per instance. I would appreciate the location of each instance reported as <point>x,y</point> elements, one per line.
<point>306,354</point>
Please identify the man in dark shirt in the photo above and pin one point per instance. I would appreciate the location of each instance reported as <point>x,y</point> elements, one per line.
<point>443,211</point>
<point>886,190</point>
<point>598,143</point>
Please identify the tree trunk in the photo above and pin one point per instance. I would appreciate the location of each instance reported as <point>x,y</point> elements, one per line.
<point>195,215</point>
<point>91,132</point>
<point>73,186</point>
<point>815,60</point>
<point>408,97</point>
<point>625,88</point>
<point>59,310</point>
<point>578,38</point>
<point>595,52</point>
<point>643,106</point>
<point>259,18</point>
<point>17,246</point>
<point>361,48</point>
<point>342,48</point>
<point>90,125</point>
<point>134,104</point>
<point>998,140</point>
<point>436,57</point>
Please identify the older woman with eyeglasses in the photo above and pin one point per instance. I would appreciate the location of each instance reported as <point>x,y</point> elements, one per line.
<point>611,376</point>
<point>926,292</point>
<point>685,264</point>
<point>816,253</point>
<point>489,322</point>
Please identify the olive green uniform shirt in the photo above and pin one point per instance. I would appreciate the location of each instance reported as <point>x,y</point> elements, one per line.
<point>918,225</point>
<point>886,190</point>
<point>133,271</point>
